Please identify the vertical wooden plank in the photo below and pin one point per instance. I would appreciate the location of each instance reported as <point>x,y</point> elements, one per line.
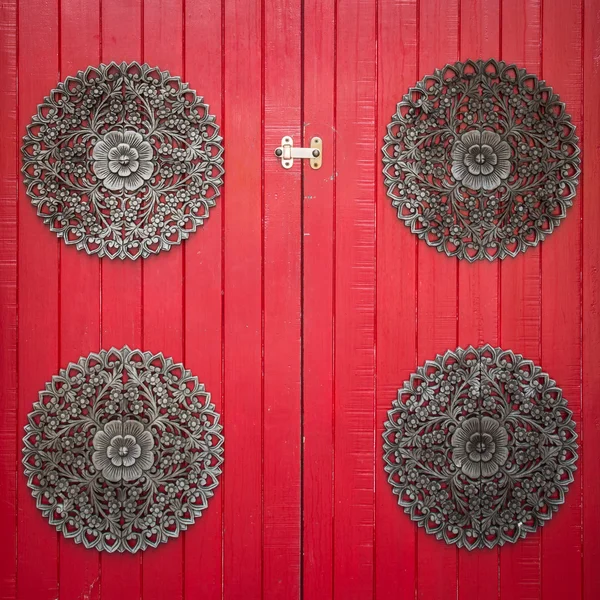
<point>242,567</point>
<point>163,282</point>
<point>478,286</point>
<point>39,327</point>
<point>478,282</point>
<point>203,298</point>
<point>9,182</point>
<point>437,293</point>
<point>281,293</point>
<point>520,295</point>
<point>121,280</point>
<point>396,535</point>
<point>356,106</point>
<point>318,239</point>
<point>79,284</point>
<point>591,294</point>
<point>561,294</point>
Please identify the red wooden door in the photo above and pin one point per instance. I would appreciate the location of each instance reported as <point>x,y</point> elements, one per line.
<point>303,304</point>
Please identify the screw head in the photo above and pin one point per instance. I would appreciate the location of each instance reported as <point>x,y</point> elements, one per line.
<point>316,153</point>
<point>278,152</point>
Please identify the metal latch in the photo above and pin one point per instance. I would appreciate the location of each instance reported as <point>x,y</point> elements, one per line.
<point>288,153</point>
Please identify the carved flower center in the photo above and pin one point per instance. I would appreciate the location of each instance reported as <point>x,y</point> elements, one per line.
<point>481,447</point>
<point>480,160</point>
<point>123,160</point>
<point>123,450</point>
<point>479,155</point>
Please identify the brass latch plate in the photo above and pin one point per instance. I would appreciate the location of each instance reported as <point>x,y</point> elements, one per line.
<point>288,153</point>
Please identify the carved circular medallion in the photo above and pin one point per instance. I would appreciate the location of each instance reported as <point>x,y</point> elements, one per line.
<point>123,449</point>
<point>480,447</point>
<point>123,160</point>
<point>481,160</point>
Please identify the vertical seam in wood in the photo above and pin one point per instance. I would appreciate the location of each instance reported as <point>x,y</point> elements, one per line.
<point>100,274</point>
<point>183,289</point>
<point>301,233</point>
<point>142,52</point>
<point>375,198</point>
<point>334,295</point>
<point>458,271</point>
<point>581,298</point>
<point>262,296</point>
<point>17,247</point>
<point>540,288</point>
<point>59,278</point>
<point>222,274</point>
<point>416,284</point>
<point>499,300</point>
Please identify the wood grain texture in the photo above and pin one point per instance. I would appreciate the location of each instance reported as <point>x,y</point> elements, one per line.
<point>318,240</point>
<point>38,298</point>
<point>243,518</point>
<point>79,285</point>
<point>355,293</point>
<point>203,296</point>
<point>121,310</point>
<point>9,190</point>
<point>437,304</point>
<point>303,303</point>
<point>395,534</point>
<point>478,302</point>
<point>520,294</point>
<point>561,312</point>
<point>163,284</point>
<point>590,419</point>
<point>282,237</point>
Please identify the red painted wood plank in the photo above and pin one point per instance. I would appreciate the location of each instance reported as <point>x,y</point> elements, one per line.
<point>242,568</point>
<point>79,574</point>
<point>478,318</point>
<point>318,301</point>
<point>561,312</point>
<point>396,534</point>
<point>356,157</point>
<point>163,281</point>
<point>281,293</point>
<point>520,295</point>
<point>478,282</point>
<point>203,546</point>
<point>38,289</point>
<point>9,186</point>
<point>591,293</point>
<point>121,280</point>
<point>437,293</point>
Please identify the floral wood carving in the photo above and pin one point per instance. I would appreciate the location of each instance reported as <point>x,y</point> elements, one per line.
<point>123,160</point>
<point>480,447</point>
<point>123,450</point>
<point>481,160</point>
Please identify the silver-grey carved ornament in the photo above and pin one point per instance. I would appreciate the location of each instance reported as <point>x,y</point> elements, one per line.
<point>123,450</point>
<point>480,447</point>
<point>481,160</point>
<point>123,160</point>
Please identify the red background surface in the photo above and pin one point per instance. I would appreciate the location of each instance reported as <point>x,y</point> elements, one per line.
<point>303,303</point>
